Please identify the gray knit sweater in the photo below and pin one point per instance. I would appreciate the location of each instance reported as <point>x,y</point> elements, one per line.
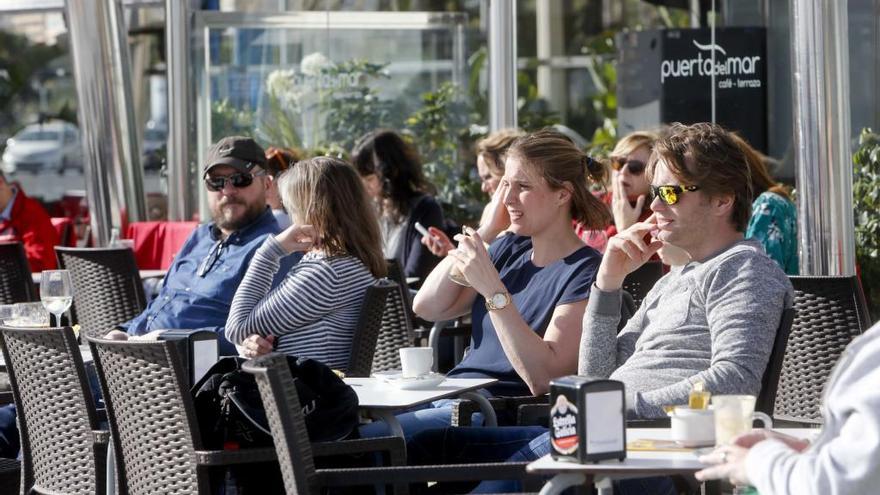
<point>712,321</point>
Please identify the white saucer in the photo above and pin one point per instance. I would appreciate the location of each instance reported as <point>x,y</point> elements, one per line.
<point>397,380</point>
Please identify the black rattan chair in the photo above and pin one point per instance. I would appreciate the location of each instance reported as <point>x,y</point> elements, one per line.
<point>63,449</point>
<point>107,288</point>
<point>156,437</point>
<point>640,282</point>
<point>830,312</point>
<point>296,454</point>
<point>16,282</point>
<point>363,346</point>
<point>397,323</point>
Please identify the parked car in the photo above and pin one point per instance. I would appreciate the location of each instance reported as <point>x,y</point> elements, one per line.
<point>53,145</point>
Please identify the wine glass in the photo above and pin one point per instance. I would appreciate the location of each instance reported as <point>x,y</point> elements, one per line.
<point>56,292</point>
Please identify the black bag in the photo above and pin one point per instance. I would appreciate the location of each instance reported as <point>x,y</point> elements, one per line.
<point>231,415</point>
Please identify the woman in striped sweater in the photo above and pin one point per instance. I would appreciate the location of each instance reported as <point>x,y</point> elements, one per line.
<point>313,312</point>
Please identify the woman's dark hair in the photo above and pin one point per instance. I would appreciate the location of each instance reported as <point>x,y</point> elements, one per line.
<point>326,193</point>
<point>553,156</point>
<point>396,163</point>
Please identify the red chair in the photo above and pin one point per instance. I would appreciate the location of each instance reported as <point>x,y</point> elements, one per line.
<point>156,243</point>
<point>64,228</point>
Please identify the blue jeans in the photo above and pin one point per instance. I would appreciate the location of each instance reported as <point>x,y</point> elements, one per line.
<point>512,444</point>
<point>437,414</point>
<point>9,439</point>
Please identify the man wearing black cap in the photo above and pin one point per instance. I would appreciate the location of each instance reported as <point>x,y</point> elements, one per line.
<point>202,279</point>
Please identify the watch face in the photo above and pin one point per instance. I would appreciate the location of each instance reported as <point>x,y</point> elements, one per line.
<point>498,300</point>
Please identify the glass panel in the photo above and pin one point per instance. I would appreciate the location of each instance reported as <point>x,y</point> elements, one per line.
<point>317,81</point>
<point>40,151</point>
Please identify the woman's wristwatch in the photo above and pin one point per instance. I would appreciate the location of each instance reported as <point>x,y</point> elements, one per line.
<point>498,300</point>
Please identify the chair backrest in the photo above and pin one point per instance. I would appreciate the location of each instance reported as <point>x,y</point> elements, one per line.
<point>151,415</point>
<point>64,229</point>
<point>363,346</point>
<point>830,312</point>
<point>640,282</point>
<point>397,323</point>
<point>56,411</point>
<point>16,282</point>
<point>157,243</point>
<point>770,381</point>
<point>284,413</point>
<point>107,288</point>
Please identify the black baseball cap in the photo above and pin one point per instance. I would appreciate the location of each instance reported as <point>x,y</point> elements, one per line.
<point>239,152</point>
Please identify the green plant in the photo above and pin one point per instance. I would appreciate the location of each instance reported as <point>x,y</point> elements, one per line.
<point>603,72</point>
<point>866,204</point>
<point>226,120</point>
<point>352,110</point>
<point>438,127</point>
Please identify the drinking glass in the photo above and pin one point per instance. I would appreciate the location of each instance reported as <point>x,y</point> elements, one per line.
<point>56,292</point>
<point>29,315</point>
<point>454,273</point>
<point>7,313</point>
<point>733,417</point>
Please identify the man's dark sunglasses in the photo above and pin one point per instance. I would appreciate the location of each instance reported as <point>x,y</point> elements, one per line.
<point>635,167</point>
<point>239,181</point>
<point>670,194</point>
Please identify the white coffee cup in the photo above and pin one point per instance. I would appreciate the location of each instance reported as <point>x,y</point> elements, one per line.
<point>692,427</point>
<point>416,361</point>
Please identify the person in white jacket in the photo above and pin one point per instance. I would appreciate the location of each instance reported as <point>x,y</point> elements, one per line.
<point>844,459</point>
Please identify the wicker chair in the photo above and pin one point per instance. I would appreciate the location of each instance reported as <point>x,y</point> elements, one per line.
<point>363,347</point>
<point>397,323</point>
<point>831,311</point>
<point>296,454</point>
<point>63,449</point>
<point>640,282</point>
<point>152,420</point>
<point>107,287</point>
<point>16,282</point>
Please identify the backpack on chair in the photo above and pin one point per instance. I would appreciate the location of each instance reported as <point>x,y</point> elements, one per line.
<point>231,415</point>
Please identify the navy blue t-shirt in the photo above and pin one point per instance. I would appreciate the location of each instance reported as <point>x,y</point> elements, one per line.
<point>536,291</point>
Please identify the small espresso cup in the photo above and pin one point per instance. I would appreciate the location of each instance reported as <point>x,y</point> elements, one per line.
<point>416,361</point>
<point>692,427</point>
<point>734,415</point>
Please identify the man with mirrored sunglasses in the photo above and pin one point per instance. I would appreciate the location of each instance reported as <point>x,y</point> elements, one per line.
<point>712,319</point>
<point>198,288</point>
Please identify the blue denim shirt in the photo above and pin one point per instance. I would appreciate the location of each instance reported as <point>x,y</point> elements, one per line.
<point>197,290</point>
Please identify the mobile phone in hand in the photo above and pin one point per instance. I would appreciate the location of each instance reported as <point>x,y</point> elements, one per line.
<point>422,230</point>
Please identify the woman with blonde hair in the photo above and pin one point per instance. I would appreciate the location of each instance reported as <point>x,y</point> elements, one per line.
<point>526,292</point>
<point>313,313</point>
<point>630,188</point>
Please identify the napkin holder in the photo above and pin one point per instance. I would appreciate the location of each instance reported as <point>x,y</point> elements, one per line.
<point>199,350</point>
<point>587,419</point>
